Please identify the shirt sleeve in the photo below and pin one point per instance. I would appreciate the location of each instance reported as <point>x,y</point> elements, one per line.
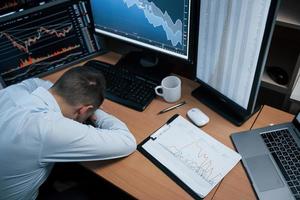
<point>70,141</point>
<point>23,89</point>
<point>31,84</point>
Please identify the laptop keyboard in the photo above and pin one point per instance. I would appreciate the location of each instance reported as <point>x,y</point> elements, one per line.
<point>286,153</point>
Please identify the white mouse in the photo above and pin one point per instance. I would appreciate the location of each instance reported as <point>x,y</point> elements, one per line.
<point>197,117</point>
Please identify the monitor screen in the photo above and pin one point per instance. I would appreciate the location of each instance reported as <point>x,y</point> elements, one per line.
<point>233,42</point>
<point>8,7</point>
<point>45,38</point>
<point>160,25</point>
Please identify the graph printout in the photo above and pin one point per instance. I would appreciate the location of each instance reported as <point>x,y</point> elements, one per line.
<point>196,158</point>
<point>230,39</point>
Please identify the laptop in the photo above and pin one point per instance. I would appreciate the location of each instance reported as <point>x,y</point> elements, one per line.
<point>271,157</point>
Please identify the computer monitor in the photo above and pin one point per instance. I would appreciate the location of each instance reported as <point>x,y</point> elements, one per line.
<point>162,26</point>
<point>45,38</point>
<point>233,42</point>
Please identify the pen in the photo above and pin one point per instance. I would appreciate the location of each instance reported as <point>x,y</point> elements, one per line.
<point>171,108</point>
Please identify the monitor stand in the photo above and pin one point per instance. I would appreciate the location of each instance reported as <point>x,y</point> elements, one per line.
<point>220,106</point>
<point>145,64</point>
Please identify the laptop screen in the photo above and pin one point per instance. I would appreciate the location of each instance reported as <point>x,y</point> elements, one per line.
<point>296,121</point>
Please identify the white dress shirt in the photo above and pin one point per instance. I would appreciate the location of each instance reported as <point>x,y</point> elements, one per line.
<point>34,135</point>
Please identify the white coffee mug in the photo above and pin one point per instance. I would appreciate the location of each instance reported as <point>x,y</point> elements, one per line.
<point>170,89</point>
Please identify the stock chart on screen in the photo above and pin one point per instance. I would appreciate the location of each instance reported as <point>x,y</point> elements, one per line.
<point>39,41</point>
<point>162,24</point>
<point>7,6</point>
<point>12,6</point>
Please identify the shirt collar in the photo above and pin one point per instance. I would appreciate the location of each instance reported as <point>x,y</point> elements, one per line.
<point>47,98</point>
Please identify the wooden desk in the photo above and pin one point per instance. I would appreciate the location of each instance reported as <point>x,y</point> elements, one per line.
<point>137,176</point>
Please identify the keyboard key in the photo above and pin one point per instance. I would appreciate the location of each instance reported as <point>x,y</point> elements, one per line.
<point>294,191</point>
<point>290,183</point>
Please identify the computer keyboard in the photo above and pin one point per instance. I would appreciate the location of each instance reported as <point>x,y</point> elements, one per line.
<point>125,87</point>
<point>286,154</point>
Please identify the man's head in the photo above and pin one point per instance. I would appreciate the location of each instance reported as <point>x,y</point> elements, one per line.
<point>79,92</point>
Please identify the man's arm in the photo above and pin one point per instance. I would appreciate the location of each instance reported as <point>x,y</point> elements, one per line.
<point>31,84</point>
<point>26,87</point>
<point>67,140</point>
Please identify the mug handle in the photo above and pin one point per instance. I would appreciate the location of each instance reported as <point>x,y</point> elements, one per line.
<point>157,92</point>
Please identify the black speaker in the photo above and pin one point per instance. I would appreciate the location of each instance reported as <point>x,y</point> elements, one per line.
<point>278,74</point>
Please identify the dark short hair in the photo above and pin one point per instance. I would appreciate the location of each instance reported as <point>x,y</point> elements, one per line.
<point>81,85</point>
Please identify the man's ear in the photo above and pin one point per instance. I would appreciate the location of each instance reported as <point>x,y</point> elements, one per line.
<point>85,109</point>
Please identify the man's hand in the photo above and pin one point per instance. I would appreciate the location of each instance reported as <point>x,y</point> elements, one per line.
<point>91,120</point>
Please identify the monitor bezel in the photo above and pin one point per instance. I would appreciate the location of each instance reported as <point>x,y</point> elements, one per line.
<point>190,58</point>
<point>239,113</point>
<point>296,121</point>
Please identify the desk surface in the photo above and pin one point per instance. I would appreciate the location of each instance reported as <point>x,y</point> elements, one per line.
<point>137,176</point>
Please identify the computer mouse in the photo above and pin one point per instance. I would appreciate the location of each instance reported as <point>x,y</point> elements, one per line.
<point>197,117</point>
<point>278,74</point>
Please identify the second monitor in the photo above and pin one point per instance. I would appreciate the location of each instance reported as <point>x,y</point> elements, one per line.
<point>234,38</point>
